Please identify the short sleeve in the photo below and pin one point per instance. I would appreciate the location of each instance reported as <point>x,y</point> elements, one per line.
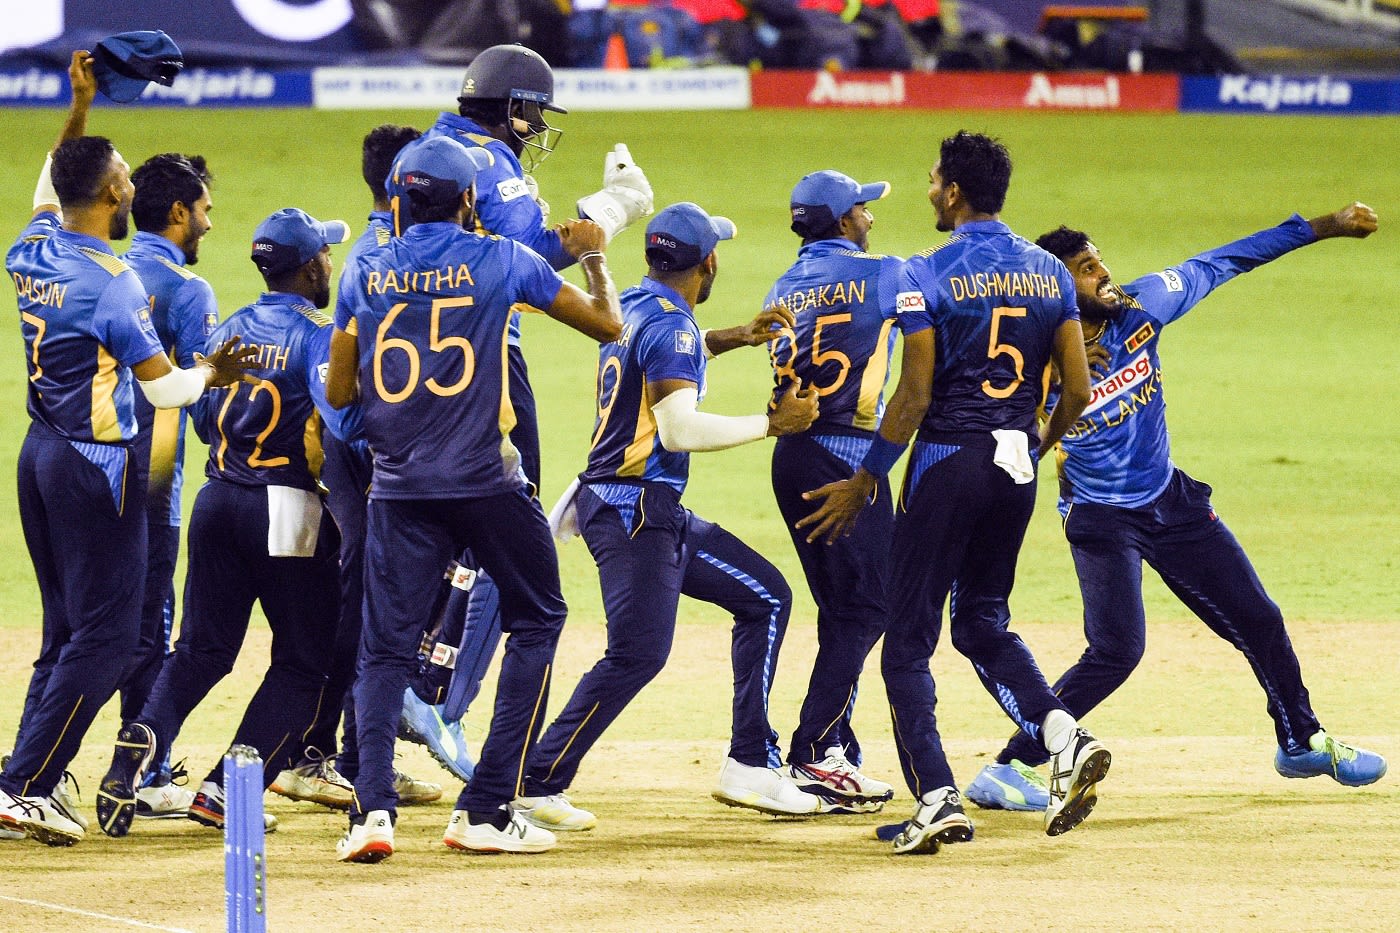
<point>533,279</point>
<point>348,286</point>
<point>122,323</point>
<point>910,305</point>
<point>194,315</point>
<point>891,273</point>
<point>1069,309</point>
<point>668,347</point>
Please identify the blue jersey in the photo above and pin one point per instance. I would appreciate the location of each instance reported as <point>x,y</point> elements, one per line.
<point>504,206</point>
<point>269,434</point>
<point>430,311</point>
<point>659,340</point>
<point>844,302</point>
<point>184,314</point>
<point>85,320</point>
<point>1118,452</point>
<point>995,300</point>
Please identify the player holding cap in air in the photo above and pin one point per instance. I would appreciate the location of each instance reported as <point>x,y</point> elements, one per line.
<point>507,91</point>
<point>422,347</point>
<point>649,548</point>
<point>842,299</point>
<point>1124,502</point>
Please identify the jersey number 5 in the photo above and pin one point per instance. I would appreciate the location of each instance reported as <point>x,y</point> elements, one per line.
<point>995,350</point>
<point>437,343</point>
<point>786,370</point>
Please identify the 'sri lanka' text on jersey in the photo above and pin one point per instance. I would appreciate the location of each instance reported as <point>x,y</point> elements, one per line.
<point>995,301</point>
<point>430,310</point>
<point>1118,452</point>
<point>844,301</point>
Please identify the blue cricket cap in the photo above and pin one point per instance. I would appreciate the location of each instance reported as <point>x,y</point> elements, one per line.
<point>822,198</point>
<point>125,63</point>
<point>438,166</point>
<point>682,235</point>
<point>291,237</point>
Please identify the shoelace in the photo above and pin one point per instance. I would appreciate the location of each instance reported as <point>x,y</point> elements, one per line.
<point>178,775</point>
<point>1339,751</point>
<point>68,778</point>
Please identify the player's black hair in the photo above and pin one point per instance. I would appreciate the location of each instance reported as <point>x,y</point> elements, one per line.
<point>163,181</point>
<point>981,168</point>
<point>378,150</point>
<point>830,233</point>
<point>487,111</point>
<point>284,281</point>
<point>79,169</point>
<point>1063,243</point>
<point>426,211</point>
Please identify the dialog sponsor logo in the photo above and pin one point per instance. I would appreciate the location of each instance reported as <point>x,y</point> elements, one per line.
<point>1134,374</point>
<point>829,88</point>
<point>1278,91</point>
<point>1073,95</point>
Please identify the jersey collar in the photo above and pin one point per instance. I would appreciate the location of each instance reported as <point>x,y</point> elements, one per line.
<point>667,292</point>
<point>982,228</point>
<point>158,244</point>
<point>462,124</point>
<point>286,300</point>
<point>823,247</point>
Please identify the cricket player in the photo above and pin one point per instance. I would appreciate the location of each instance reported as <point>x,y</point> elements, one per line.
<point>259,531</point>
<point>423,348</point>
<point>85,320</point>
<point>649,548</point>
<point>1124,502</point>
<point>842,299</point>
<point>992,310</point>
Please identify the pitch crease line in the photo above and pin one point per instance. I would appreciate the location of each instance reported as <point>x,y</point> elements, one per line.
<point>94,914</point>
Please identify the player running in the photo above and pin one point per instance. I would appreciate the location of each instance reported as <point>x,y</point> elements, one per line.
<point>649,548</point>
<point>842,299</point>
<point>1124,502</point>
<point>992,309</point>
<point>423,348</point>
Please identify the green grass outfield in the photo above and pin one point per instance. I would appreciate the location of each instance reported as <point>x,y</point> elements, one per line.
<point>1281,387</point>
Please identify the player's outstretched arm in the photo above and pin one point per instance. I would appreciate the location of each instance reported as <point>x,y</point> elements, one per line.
<point>843,500</point>
<point>684,428</point>
<point>84,90</point>
<point>1356,220</point>
<point>594,312</point>
<point>168,387</point>
<point>1072,364</point>
<point>763,328</point>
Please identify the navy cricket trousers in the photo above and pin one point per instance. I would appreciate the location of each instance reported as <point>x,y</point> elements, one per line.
<point>84,523</point>
<point>229,570</point>
<point>649,550</point>
<point>409,543</point>
<point>1179,536</point>
<point>847,579</point>
<point>958,534</point>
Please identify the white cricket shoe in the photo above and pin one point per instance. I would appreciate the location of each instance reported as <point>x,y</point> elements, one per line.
<point>518,837</point>
<point>767,790</point>
<point>166,801</point>
<point>938,819</point>
<point>36,818</point>
<point>554,812</point>
<point>840,783</point>
<point>1074,770</point>
<point>315,780</point>
<point>368,842</point>
<point>412,791</point>
<point>66,802</point>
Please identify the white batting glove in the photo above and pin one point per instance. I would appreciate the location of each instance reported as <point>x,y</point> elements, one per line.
<point>533,187</point>
<point>625,198</point>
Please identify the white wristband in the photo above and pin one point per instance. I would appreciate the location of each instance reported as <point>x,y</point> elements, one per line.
<point>44,192</point>
<point>682,428</point>
<point>176,389</point>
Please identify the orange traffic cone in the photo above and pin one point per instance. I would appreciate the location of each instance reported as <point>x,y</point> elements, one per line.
<point>616,58</point>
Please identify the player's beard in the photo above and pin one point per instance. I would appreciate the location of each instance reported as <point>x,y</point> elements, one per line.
<point>121,223</point>
<point>1093,309</point>
<point>190,244</point>
<point>706,284</point>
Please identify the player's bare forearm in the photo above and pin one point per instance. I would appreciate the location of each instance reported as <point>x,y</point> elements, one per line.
<point>607,322</point>
<point>1356,220</point>
<point>769,323</point>
<point>80,75</point>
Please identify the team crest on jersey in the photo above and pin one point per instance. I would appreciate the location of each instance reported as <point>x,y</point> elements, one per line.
<point>908,301</point>
<point>1172,279</point>
<point>685,342</point>
<point>1140,337</point>
<point>512,188</point>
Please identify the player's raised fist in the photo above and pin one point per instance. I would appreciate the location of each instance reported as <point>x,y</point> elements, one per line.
<point>1355,220</point>
<point>582,236</point>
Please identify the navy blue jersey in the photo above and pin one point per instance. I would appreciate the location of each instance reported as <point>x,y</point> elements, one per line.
<point>430,310</point>
<point>269,434</point>
<point>659,340</point>
<point>184,314</point>
<point>1118,452</point>
<point>85,320</point>
<point>844,302</point>
<point>995,301</point>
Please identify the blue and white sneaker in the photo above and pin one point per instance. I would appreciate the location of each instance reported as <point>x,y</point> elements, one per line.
<point>422,723</point>
<point>1345,764</point>
<point>1016,786</point>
